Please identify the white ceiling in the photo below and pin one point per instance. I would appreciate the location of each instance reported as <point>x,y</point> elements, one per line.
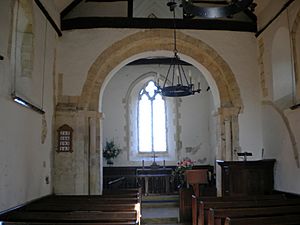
<point>261,5</point>
<point>61,4</point>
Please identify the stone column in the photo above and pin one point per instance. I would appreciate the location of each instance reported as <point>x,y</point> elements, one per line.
<point>95,154</point>
<point>228,136</point>
<point>79,171</point>
<point>71,168</point>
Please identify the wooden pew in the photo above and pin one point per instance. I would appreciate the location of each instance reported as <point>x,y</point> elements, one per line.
<point>70,206</point>
<point>197,200</point>
<point>50,223</point>
<point>79,207</point>
<point>84,203</point>
<point>99,217</point>
<point>96,198</point>
<point>271,220</point>
<point>205,206</point>
<point>218,216</point>
<point>102,201</point>
<point>120,195</point>
<point>106,209</point>
<point>75,216</point>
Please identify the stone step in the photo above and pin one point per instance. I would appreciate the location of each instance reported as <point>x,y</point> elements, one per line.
<point>153,201</point>
<point>160,204</point>
<point>160,198</point>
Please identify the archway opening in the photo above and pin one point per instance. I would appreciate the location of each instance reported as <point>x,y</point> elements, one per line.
<point>190,121</point>
<point>216,71</point>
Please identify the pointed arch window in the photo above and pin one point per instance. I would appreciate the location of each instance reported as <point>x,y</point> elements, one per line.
<point>151,120</point>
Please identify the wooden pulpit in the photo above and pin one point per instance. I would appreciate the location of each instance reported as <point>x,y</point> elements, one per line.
<point>195,178</point>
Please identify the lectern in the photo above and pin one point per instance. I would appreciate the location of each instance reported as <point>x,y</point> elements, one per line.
<point>196,178</point>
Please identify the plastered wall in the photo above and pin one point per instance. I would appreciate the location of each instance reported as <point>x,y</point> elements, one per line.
<point>25,135</point>
<point>188,119</point>
<point>79,49</point>
<point>280,123</point>
<point>82,53</point>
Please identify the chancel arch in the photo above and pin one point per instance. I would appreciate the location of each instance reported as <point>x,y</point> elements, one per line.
<point>162,40</point>
<point>159,42</point>
<point>149,40</point>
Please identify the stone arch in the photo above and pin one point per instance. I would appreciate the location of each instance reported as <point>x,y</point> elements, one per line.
<point>296,52</point>
<point>88,117</point>
<point>282,75</point>
<point>153,40</point>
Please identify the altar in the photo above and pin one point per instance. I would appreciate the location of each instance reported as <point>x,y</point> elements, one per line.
<point>154,180</point>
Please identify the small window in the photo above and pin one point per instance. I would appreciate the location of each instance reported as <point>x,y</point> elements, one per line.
<point>151,120</point>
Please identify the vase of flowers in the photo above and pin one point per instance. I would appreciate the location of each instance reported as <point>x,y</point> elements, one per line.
<point>110,151</point>
<point>179,172</point>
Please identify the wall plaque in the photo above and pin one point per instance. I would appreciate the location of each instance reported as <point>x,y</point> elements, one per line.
<point>64,138</point>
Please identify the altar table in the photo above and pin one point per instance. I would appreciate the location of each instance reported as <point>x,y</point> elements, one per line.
<point>146,174</point>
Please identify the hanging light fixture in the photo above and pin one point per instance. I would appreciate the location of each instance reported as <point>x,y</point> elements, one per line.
<point>224,9</point>
<point>176,83</point>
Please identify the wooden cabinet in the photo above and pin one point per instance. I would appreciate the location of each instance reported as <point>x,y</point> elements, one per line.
<point>241,178</point>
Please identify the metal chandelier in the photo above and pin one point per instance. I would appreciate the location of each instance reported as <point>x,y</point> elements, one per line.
<point>177,83</point>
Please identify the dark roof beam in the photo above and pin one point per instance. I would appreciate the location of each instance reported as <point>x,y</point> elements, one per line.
<point>121,22</point>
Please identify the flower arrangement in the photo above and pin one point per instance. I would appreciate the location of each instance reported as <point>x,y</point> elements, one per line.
<point>110,151</point>
<point>178,173</point>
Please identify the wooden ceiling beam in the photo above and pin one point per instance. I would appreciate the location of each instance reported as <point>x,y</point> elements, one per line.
<point>124,22</point>
<point>157,61</point>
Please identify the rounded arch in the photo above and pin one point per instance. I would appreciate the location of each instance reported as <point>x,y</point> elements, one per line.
<point>154,40</point>
<point>296,52</point>
<point>281,66</point>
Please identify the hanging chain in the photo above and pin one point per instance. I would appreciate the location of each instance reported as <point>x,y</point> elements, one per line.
<point>174,32</point>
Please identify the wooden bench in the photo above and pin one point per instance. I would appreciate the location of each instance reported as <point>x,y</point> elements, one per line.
<point>271,220</point>
<point>93,198</point>
<point>80,209</point>
<point>85,223</point>
<point>75,216</point>
<point>218,216</point>
<point>205,206</point>
<point>102,201</point>
<point>66,206</point>
<point>197,200</point>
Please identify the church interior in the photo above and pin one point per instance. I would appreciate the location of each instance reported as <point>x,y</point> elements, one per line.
<point>112,109</point>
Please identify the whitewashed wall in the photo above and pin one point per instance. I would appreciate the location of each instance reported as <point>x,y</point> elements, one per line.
<point>193,128</point>
<point>25,163</point>
<point>78,49</point>
<point>281,134</point>
<point>238,49</point>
